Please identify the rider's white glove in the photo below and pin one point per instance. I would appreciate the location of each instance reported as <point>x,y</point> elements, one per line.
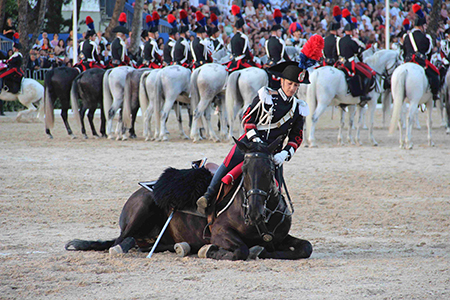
<point>279,158</point>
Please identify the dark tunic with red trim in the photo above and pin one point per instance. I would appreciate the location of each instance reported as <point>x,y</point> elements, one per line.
<point>277,106</point>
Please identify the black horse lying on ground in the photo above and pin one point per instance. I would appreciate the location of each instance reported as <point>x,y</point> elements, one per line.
<point>255,224</point>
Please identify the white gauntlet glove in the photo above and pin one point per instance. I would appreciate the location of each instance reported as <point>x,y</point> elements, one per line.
<point>279,158</point>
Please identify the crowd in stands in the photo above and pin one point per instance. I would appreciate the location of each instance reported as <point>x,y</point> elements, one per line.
<point>314,17</point>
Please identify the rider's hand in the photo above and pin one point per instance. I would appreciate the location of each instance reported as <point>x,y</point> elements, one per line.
<point>279,158</point>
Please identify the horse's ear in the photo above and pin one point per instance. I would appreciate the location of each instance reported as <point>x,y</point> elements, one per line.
<point>241,146</point>
<point>275,144</point>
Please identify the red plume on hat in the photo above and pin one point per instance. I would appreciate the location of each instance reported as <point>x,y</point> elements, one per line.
<point>417,9</point>
<point>122,19</point>
<point>346,15</point>
<point>236,11</point>
<point>214,19</point>
<point>155,17</point>
<point>16,35</point>
<point>184,17</point>
<point>354,20</point>
<point>149,21</point>
<point>337,13</point>
<point>200,18</point>
<point>90,22</point>
<point>406,24</point>
<point>277,16</point>
<point>313,47</point>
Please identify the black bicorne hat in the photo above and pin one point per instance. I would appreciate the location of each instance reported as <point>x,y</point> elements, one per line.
<point>212,30</point>
<point>335,26</point>
<point>153,29</point>
<point>184,29</point>
<point>239,23</point>
<point>17,45</point>
<point>291,71</point>
<point>144,33</point>
<point>89,33</point>
<point>120,29</point>
<point>275,27</point>
<point>173,31</point>
<point>199,28</point>
<point>349,27</point>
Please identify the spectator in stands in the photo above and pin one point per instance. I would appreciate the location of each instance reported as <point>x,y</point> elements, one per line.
<point>33,62</point>
<point>10,53</point>
<point>43,60</point>
<point>52,61</point>
<point>44,36</point>
<point>106,54</point>
<point>249,9</point>
<point>60,48</point>
<point>55,41</point>
<point>45,44</point>
<point>69,53</point>
<point>145,9</point>
<point>9,29</point>
<point>101,41</point>
<point>36,45</point>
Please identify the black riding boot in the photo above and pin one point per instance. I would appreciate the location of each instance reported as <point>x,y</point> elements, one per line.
<point>204,201</point>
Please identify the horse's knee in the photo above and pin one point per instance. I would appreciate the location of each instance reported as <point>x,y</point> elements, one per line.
<point>306,249</point>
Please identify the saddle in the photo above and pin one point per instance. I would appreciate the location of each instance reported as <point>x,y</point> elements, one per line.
<point>360,77</point>
<point>12,84</point>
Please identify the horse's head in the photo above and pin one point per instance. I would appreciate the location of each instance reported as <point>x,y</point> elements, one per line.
<point>259,177</point>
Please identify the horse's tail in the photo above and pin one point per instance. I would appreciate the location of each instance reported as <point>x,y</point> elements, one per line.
<point>232,94</point>
<point>107,96</point>
<point>195,95</point>
<point>81,245</point>
<point>126,111</point>
<point>386,104</point>
<point>74,96</point>
<point>398,95</point>
<point>48,103</point>
<point>143,95</point>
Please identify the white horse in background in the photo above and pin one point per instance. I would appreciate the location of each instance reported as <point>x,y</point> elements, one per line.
<point>30,93</point>
<point>410,84</point>
<point>114,82</point>
<point>329,87</point>
<point>446,98</point>
<point>158,93</point>
<point>242,88</point>
<point>207,84</point>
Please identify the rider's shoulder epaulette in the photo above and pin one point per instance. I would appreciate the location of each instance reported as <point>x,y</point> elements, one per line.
<point>303,108</point>
<point>265,94</point>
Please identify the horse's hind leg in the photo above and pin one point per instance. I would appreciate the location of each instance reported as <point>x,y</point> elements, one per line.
<point>66,121</point>
<point>219,253</point>
<point>83,128</point>
<point>91,121</point>
<point>429,122</point>
<point>31,109</point>
<point>290,248</point>
<point>351,120</point>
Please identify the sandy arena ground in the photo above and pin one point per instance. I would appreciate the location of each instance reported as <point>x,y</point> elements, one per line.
<point>378,218</point>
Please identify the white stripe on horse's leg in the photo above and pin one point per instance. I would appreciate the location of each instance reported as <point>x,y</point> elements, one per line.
<point>340,138</point>
<point>371,110</point>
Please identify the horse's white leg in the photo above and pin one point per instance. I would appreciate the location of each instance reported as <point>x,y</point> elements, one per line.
<point>340,139</point>
<point>351,119</point>
<point>209,127</point>
<point>372,106</point>
<point>409,124</point>
<point>148,122</point>
<point>361,119</point>
<point>430,122</point>
<point>362,112</point>
<point>30,109</point>
<point>196,118</point>
<point>315,117</point>
<point>180,122</point>
<point>416,120</point>
<point>168,104</point>
<point>440,105</point>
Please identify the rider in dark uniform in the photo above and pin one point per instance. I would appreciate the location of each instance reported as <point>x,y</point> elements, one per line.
<point>119,47</point>
<point>275,45</point>
<point>417,48</point>
<point>13,76</point>
<point>181,51</point>
<point>272,113</point>
<point>349,49</point>
<point>240,48</point>
<point>170,44</point>
<point>214,43</point>
<point>199,49</point>
<point>329,49</point>
<point>152,53</point>
<point>89,50</point>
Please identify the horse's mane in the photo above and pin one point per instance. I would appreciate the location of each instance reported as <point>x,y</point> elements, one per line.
<point>180,189</point>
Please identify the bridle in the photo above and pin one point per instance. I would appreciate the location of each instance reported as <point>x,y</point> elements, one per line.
<point>268,213</point>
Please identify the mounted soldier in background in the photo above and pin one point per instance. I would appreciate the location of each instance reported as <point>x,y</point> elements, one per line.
<point>152,53</point>
<point>275,45</point>
<point>296,40</point>
<point>331,41</point>
<point>170,44</point>
<point>181,51</point>
<point>240,48</point>
<point>417,48</point>
<point>119,46</point>
<point>90,57</point>
<point>10,81</point>
<point>215,44</point>
<point>360,77</point>
<point>199,46</point>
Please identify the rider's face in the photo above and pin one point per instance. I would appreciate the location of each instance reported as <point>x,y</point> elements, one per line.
<point>289,87</point>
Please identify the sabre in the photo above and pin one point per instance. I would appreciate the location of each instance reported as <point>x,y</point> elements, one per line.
<point>160,235</point>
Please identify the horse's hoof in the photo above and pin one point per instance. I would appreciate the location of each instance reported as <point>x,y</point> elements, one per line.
<point>115,251</point>
<point>409,147</point>
<point>73,137</point>
<point>254,252</point>
<point>85,136</point>
<point>110,137</point>
<point>182,249</point>
<point>96,137</point>
<point>375,144</point>
<point>118,138</point>
<point>203,252</point>
<point>133,136</point>
<point>124,138</point>
<point>448,131</point>
<point>431,144</point>
<point>50,136</point>
<point>165,139</point>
